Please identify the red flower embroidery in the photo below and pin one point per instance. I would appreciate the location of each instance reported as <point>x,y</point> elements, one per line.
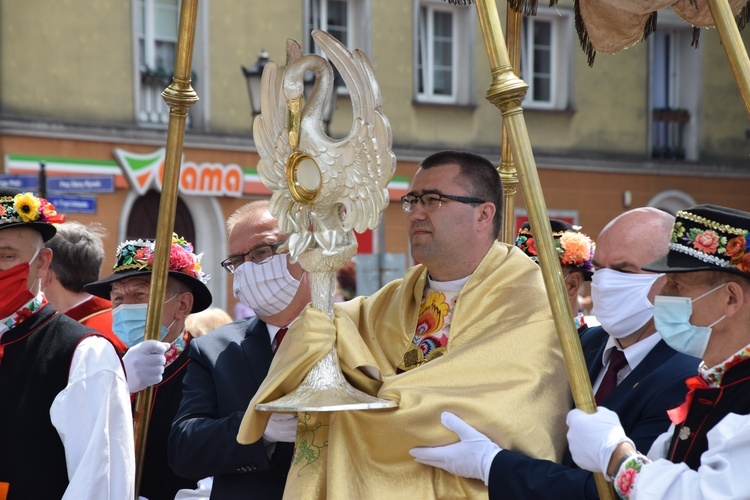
<point>531,246</point>
<point>744,263</point>
<point>736,248</point>
<point>707,242</point>
<point>625,481</point>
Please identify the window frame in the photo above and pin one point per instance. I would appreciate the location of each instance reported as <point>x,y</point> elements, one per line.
<point>463,54</point>
<point>560,64</point>
<point>148,99</point>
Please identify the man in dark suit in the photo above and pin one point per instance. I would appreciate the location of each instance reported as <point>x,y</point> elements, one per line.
<point>228,364</point>
<point>648,380</point>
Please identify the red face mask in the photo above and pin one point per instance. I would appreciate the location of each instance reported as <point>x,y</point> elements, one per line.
<point>16,292</point>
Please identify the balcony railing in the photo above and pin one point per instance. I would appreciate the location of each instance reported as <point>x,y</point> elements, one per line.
<point>153,110</point>
<point>668,126</point>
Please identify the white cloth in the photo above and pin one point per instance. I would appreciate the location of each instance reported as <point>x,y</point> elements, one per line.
<point>202,492</point>
<point>93,417</point>
<point>634,354</point>
<point>721,475</point>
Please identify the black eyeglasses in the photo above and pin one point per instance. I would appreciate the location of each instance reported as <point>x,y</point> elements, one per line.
<point>433,201</point>
<point>258,255</point>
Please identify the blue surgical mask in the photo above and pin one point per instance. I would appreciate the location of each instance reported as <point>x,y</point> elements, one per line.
<point>672,320</point>
<point>129,323</point>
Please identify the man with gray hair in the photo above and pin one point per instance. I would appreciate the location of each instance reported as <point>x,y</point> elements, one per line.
<point>78,253</point>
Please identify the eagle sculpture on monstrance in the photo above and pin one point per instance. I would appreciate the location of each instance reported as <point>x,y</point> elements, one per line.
<point>323,188</point>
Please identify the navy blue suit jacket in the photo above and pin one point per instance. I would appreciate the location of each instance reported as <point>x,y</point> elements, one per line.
<point>641,401</point>
<point>226,368</point>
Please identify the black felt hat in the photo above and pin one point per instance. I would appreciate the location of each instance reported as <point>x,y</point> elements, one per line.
<point>707,238</point>
<point>136,258</point>
<point>20,209</point>
<point>575,249</point>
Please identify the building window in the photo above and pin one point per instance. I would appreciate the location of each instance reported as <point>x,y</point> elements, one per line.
<point>331,16</point>
<point>545,58</point>
<point>443,52</point>
<point>347,20</point>
<point>675,90</point>
<point>156,30</point>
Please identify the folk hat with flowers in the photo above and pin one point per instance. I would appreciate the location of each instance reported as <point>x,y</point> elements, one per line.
<point>19,209</point>
<point>707,238</point>
<point>136,258</point>
<point>575,249</point>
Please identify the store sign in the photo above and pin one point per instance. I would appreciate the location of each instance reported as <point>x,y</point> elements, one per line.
<point>146,171</point>
<point>74,204</point>
<point>99,184</point>
<point>22,182</point>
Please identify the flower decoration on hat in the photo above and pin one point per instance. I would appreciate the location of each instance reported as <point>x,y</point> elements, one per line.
<point>26,208</point>
<point>139,255</point>
<point>712,242</point>
<point>575,249</point>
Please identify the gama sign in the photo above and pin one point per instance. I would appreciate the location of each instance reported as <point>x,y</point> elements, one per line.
<point>146,171</point>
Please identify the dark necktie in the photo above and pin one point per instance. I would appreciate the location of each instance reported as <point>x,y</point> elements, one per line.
<point>616,363</point>
<point>278,338</point>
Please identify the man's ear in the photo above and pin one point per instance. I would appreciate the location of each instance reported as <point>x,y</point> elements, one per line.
<point>573,284</point>
<point>736,297</point>
<point>487,214</point>
<point>43,260</point>
<point>184,306</point>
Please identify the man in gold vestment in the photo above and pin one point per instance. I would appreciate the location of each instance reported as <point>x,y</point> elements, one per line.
<point>468,329</point>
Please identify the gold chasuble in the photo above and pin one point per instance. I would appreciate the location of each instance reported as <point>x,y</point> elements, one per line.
<point>502,372</point>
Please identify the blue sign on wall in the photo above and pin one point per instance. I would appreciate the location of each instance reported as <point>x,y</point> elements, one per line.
<point>22,182</point>
<point>100,184</point>
<point>74,204</point>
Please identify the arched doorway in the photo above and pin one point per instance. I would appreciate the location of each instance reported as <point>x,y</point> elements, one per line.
<point>199,219</point>
<point>144,214</point>
<point>672,201</point>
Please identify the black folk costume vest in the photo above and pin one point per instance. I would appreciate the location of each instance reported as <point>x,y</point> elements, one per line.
<point>35,365</point>
<point>707,409</point>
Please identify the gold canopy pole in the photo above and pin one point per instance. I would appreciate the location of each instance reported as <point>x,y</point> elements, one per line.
<point>733,46</point>
<point>507,170</point>
<point>179,96</point>
<point>506,92</point>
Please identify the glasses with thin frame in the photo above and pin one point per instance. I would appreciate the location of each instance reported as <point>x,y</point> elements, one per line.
<point>432,201</point>
<point>258,255</point>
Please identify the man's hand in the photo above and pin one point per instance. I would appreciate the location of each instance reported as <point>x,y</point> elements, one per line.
<point>282,427</point>
<point>471,457</point>
<point>593,438</point>
<point>144,364</point>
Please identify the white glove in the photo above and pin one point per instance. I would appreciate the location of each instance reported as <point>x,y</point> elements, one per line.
<point>144,364</point>
<point>471,457</point>
<point>282,427</point>
<point>593,437</point>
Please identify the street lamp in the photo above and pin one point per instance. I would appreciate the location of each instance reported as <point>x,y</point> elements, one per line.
<point>252,75</point>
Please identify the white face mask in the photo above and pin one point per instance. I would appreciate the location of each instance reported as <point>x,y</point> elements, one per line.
<point>621,302</point>
<point>266,288</point>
